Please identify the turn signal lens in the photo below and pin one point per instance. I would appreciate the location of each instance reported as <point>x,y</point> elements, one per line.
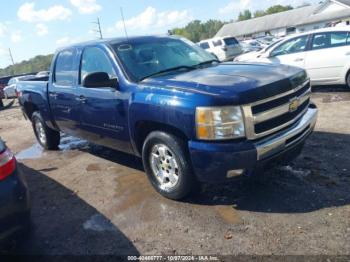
<point>7,164</point>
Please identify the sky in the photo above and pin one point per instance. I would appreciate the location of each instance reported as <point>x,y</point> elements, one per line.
<point>39,27</point>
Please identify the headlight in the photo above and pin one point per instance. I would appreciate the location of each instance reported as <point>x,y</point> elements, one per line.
<point>219,123</point>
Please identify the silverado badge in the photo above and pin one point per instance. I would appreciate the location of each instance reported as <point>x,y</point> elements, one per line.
<point>294,105</point>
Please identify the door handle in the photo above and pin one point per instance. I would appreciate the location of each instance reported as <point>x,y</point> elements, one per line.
<point>81,99</point>
<point>348,53</point>
<point>299,60</point>
<point>53,95</point>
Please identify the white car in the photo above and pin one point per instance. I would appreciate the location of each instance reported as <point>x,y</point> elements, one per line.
<point>224,48</point>
<point>324,53</point>
<point>10,89</point>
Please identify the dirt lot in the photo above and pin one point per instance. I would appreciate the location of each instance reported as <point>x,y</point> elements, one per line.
<point>91,200</point>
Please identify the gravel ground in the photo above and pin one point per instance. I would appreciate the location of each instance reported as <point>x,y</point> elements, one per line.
<point>87,199</point>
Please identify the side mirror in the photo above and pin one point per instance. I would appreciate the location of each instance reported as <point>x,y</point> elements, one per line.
<point>99,79</point>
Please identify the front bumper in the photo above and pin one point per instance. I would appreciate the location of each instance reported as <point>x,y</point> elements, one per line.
<point>213,162</point>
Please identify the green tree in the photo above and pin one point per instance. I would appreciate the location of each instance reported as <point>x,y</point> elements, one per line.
<point>259,13</point>
<point>245,15</point>
<point>277,9</point>
<point>197,30</point>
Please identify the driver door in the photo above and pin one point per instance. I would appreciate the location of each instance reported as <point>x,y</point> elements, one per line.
<point>103,110</point>
<point>292,52</point>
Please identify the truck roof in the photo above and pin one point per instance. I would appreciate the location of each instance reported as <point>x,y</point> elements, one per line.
<point>117,40</point>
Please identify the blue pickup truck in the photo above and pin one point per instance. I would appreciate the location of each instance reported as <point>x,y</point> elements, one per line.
<point>191,118</point>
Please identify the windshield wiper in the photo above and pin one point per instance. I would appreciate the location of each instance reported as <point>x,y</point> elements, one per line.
<point>169,70</point>
<point>207,62</point>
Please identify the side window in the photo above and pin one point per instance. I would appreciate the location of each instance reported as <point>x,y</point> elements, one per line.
<point>217,43</point>
<point>64,69</point>
<point>329,40</point>
<point>320,41</point>
<point>292,46</point>
<point>95,60</point>
<point>339,39</point>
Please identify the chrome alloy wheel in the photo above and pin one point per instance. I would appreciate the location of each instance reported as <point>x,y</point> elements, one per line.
<point>40,131</point>
<point>164,166</point>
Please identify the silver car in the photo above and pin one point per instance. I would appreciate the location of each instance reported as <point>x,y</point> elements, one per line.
<point>10,89</point>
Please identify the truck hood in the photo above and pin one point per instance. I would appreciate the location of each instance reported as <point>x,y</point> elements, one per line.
<point>243,82</point>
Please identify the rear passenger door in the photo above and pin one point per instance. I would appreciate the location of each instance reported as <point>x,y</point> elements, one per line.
<point>63,92</point>
<point>330,52</point>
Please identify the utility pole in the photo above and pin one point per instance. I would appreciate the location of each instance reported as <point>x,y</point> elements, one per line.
<point>98,30</point>
<point>10,53</point>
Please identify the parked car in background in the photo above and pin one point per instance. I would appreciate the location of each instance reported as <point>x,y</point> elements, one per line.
<point>324,53</point>
<point>168,101</point>
<point>11,88</point>
<point>14,197</point>
<point>265,41</point>
<point>224,48</point>
<point>251,46</point>
<point>43,74</point>
<point>255,54</point>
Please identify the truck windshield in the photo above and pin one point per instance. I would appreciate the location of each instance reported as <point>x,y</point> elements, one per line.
<point>146,58</point>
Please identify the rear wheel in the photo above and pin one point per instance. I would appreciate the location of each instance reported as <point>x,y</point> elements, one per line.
<point>348,80</point>
<point>47,138</point>
<point>167,165</point>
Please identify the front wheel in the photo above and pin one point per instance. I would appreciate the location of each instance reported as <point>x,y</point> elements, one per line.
<point>167,165</point>
<point>47,138</point>
<point>348,80</point>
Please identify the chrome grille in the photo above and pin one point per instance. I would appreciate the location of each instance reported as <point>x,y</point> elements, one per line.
<point>273,114</point>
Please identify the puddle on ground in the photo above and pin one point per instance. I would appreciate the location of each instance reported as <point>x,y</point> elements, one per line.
<point>93,167</point>
<point>331,98</point>
<point>34,152</point>
<point>70,143</point>
<point>228,214</point>
<point>134,190</point>
<point>98,223</point>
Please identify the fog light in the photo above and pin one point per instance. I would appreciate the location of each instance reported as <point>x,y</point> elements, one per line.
<point>234,173</point>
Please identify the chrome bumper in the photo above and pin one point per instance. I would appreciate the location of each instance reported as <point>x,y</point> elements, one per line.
<point>281,141</point>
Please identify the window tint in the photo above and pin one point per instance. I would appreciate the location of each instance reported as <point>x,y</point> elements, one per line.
<point>328,40</point>
<point>95,60</point>
<point>294,45</point>
<point>204,45</point>
<point>64,71</point>
<point>231,41</point>
<point>217,43</point>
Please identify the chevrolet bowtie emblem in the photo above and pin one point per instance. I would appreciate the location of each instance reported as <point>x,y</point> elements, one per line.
<point>294,105</point>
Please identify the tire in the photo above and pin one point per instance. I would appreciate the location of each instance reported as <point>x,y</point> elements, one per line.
<point>166,155</point>
<point>47,138</point>
<point>348,80</point>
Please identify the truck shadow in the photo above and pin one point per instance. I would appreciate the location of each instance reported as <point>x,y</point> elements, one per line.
<point>64,224</point>
<point>318,178</point>
<point>330,89</point>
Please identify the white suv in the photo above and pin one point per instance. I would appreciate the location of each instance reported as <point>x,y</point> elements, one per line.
<point>324,53</point>
<point>224,48</point>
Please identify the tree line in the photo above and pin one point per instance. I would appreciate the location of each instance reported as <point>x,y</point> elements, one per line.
<point>36,64</point>
<point>197,30</point>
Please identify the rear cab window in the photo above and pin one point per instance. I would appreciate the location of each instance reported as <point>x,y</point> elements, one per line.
<point>231,41</point>
<point>204,45</point>
<point>65,73</point>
